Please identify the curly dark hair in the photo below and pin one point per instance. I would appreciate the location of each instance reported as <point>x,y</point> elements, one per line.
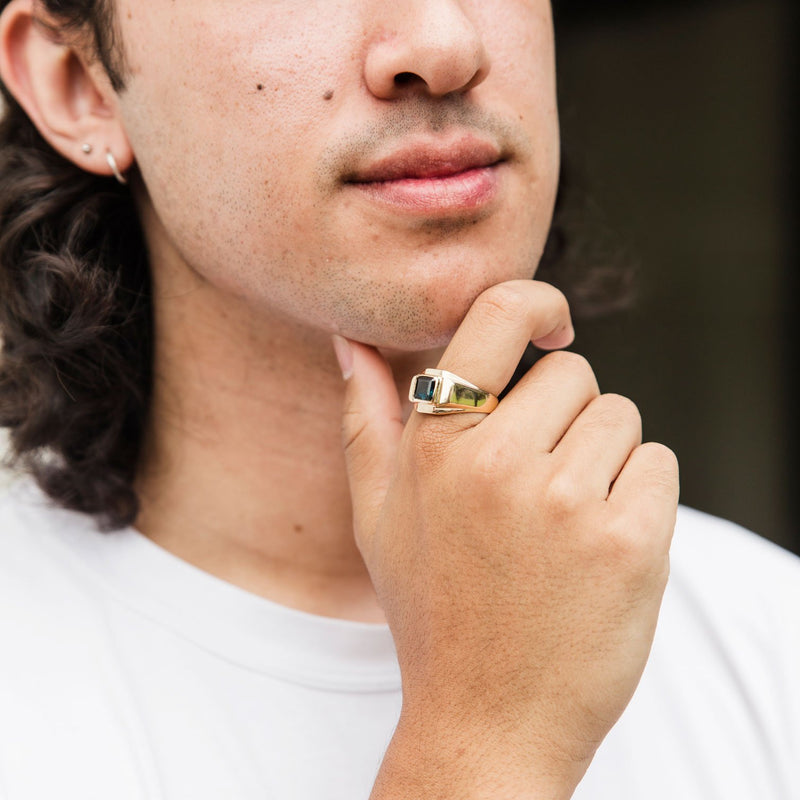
<point>75,302</point>
<point>75,312</point>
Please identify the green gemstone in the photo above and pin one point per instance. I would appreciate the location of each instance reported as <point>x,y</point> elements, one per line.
<point>423,388</point>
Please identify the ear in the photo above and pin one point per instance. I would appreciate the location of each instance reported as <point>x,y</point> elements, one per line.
<point>67,97</point>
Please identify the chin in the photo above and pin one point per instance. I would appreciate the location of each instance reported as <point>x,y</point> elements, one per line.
<point>411,318</point>
<point>433,335</point>
<point>408,304</point>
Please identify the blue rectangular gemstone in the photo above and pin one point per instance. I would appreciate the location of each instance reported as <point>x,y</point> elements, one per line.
<point>423,388</point>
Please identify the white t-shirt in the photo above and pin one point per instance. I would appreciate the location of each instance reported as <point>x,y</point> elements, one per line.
<point>127,673</point>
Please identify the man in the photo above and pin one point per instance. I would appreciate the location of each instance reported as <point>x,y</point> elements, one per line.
<point>334,198</point>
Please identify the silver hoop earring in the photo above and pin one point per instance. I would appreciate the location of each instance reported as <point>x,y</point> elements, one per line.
<point>112,162</point>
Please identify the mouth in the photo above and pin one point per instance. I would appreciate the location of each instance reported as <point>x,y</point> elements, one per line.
<point>433,178</point>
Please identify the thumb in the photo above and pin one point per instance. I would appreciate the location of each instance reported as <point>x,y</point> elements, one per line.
<point>371,427</point>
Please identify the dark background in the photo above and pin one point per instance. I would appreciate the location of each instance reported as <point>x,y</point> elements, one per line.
<point>680,120</point>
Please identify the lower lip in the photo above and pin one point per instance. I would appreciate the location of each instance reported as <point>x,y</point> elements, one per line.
<point>468,191</point>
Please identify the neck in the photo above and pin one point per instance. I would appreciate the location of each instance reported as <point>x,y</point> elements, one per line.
<point>243,473</point>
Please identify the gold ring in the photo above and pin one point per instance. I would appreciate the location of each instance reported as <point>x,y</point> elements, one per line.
<point>439,392</point>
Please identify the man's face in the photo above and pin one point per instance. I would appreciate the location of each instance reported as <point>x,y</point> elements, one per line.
<point>362,166</point>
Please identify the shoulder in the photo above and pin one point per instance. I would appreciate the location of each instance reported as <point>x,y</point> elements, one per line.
<point>698,532</point>
<point>717,712</point>
<point>730,632</point>
<point>732,594</point>
<point>731,572</point>
<point>26,520</point>
<point>42,580</point>
<point>63,697</point>
<point>32,526</point>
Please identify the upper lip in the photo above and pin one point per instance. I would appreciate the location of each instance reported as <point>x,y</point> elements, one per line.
<point>429,159</point>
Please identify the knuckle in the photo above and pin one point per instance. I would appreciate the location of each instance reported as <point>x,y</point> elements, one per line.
<point>621,406</point>
<point>562,494</point>
<point>556,297</point>
<point>362,457</point>
<point>558,303</point>
<point>632,549</point>
<point>494,459</point>
<point>502,304</point>
<point>566,361</point>
<point>354,427</point>
<point>565,370</point>
<point>646,556</point>
<point>640,534</point>
<point>660,465</point>
<point>614,410</point>
<point>661,457</point>
<point>626,544</point>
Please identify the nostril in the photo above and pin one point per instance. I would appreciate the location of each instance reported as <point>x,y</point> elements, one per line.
<point>405,79</point>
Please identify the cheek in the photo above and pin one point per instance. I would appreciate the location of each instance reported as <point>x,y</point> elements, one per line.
<point>221,140</point>
<point>252,100</point>
<point>522,81</point>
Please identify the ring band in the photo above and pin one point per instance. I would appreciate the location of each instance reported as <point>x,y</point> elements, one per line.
<point>439,392</point>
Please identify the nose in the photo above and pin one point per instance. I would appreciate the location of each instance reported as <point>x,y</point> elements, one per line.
<point>428,46</point>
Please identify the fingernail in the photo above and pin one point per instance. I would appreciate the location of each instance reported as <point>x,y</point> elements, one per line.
<point>562,337</point>
<point>344,355</point>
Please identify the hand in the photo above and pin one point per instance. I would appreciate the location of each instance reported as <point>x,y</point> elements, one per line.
<point>520,557</point>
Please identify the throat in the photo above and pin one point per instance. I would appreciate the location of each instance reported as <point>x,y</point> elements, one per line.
<point>243,473</point>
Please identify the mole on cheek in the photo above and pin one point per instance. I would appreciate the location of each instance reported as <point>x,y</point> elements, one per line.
<point>260,87</point>
<point>328,95</point>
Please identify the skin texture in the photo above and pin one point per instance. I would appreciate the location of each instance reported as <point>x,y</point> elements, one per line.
<point>541,533</point>
<point>263,167</point>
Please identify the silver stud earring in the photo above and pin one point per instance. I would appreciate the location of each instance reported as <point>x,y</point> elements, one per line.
<point>112,162</point>
<point>87,148</point>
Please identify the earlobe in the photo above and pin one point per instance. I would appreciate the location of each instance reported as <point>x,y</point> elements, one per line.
<point>70,102</point>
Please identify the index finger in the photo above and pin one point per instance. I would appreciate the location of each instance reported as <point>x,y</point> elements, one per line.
<point>489,343</point>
